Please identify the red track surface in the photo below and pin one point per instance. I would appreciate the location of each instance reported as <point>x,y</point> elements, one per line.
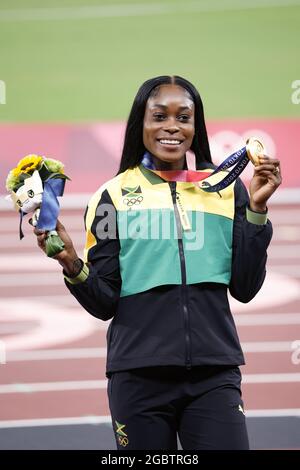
<point>22,306</point>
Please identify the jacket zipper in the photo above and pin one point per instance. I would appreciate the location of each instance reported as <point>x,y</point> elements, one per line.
<point>184,297</point>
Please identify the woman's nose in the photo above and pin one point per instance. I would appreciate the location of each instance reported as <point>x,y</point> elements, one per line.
<point>172,130</point>
<point>171,126</point>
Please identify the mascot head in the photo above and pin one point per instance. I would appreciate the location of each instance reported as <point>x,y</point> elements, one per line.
<point>29,196</point>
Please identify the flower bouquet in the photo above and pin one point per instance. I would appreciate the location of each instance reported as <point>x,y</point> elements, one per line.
<point>34,186</point>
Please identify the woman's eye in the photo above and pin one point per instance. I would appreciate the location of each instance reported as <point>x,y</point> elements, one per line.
<point>30,193</point>
<point>184,117</point>
<point>158,116</point>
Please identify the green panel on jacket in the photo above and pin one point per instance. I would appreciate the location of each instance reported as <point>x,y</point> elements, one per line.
<point>208,248</point>
<point>149,254</point>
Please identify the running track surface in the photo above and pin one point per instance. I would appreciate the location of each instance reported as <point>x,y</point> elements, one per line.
<point>52,352</point>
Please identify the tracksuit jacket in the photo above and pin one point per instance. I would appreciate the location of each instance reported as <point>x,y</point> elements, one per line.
<point>159,260</point>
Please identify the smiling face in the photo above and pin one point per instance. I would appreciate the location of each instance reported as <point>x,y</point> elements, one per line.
<point>169,126</point>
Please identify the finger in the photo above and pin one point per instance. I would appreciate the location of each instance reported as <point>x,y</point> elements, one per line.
<point>271,180</point>
<point>266,166</point>
<point>267,159</point>
<point>265,173</point>
<point>270,176</point>
<point>274,178</point>
<point>263,168</point>
<point>276,172</point>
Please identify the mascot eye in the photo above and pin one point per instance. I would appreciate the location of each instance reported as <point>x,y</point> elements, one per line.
<point>19,203</point>
<point>30,193</point>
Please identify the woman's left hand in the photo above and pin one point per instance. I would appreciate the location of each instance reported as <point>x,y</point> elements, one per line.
<point>265,181</point>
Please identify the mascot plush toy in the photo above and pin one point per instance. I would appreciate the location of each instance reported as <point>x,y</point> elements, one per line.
<point>34,186</point>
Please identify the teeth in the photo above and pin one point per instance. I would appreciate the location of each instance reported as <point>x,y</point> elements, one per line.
<point>172,142</point>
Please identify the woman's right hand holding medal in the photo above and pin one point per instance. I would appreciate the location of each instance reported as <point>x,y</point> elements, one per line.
<point>265,181</point>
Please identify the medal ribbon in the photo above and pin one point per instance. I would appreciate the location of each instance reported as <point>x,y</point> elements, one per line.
<point>238,159</point>
<point>174,175</point>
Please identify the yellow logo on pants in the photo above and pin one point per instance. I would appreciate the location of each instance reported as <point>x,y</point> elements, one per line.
<point>121,434</point>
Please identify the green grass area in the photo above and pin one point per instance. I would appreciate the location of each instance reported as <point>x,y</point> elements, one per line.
<point>243,61</point>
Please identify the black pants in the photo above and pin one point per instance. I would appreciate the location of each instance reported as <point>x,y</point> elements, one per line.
<point>150,406</point>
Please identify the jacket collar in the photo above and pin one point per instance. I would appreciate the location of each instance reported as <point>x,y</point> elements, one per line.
<point>152,178</point>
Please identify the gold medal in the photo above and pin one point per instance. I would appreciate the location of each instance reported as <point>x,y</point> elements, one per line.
<point>254,149</point>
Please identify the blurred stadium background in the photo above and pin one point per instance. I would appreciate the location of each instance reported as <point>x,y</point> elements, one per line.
<point>69,71</point>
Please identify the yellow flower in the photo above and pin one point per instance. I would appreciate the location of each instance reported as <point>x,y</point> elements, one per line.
<point>27,165</point>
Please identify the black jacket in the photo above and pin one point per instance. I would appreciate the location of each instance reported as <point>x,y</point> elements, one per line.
<point>183,325</point>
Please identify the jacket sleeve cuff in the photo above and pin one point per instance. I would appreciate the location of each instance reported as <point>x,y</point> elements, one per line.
<point>257,218</point>
<point>81,277</point>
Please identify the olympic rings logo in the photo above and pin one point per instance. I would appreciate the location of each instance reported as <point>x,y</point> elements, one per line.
<point>123,441</point>
<point>131,201</point>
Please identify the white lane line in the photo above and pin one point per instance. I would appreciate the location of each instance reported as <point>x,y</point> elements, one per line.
<point>30,279</point>
<point>25,423</point>
<point>256,319</point>
<point>271,378</point>
<point>53,386</point>
<point>273,413</point>
<point>102,384</point>
<point>268,346</point>
<point>135,9</point>
<point>56,354</point>
<point>90,353</point>
<point>93,420</point>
